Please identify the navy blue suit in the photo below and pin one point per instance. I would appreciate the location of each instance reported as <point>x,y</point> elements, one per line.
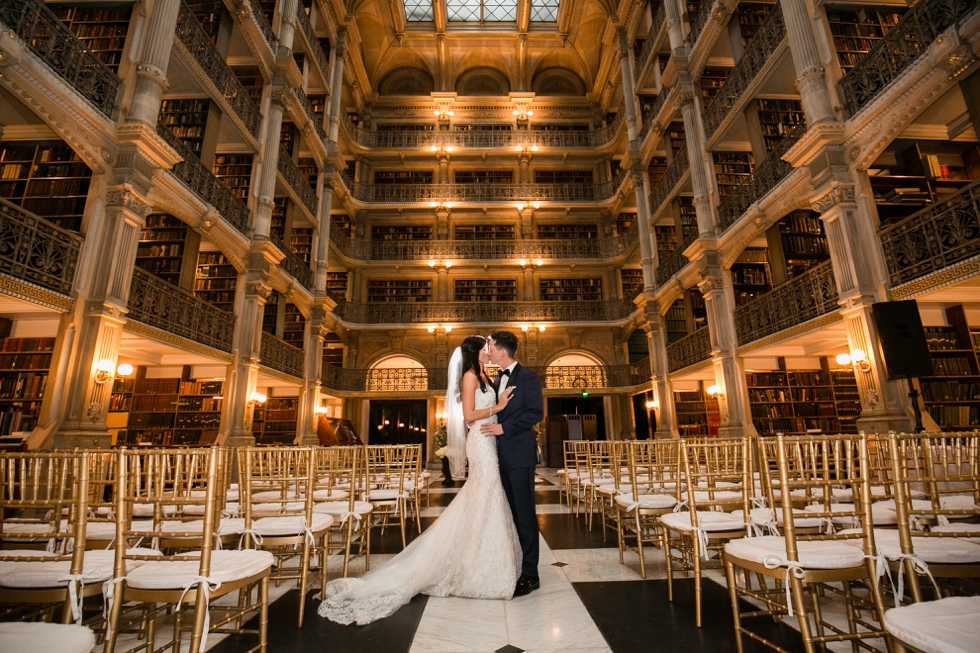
<point>517,455</point>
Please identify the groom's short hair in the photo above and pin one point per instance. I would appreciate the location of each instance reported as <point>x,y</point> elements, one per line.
<point>505,340</point>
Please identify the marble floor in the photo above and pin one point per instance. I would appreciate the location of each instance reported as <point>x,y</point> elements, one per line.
<point>588,603</point>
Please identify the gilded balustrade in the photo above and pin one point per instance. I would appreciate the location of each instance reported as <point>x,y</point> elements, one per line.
<point>658,104</point>
<point>483,313</point>
<point>799,300</point>
<point>310,112</point>
<point>697,26</point>
<point>689,350</point>
<point>277,354</point>
<point>263,23</point>
<point>674,173</point>
<point>36,251</point>
<point>675,261</point>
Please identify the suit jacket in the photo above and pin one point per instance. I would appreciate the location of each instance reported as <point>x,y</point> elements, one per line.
<point>518,447</point>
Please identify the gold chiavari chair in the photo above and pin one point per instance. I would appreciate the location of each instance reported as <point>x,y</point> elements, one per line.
<point>717,491</point>
<point>414,484</point>
<point>282,520</point>
<point>814,567</point>
<point>652,492</point>
<point>603,481</point>
<point>341,482</point>
<point>766,516</point>
<point>388,469</point>
<point>949,625</point>
<point>607,491</point>
<point>190,578</point>
<point>566,473</point>
<point>580,479</point>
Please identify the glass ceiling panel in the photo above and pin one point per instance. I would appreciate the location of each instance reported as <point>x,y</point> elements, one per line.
<point>544,11</point>
<point>419,11</point>
<point>500,11</point>
<point>467,11</point>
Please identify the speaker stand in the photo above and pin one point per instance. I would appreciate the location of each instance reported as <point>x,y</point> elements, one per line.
<point>914,396</point>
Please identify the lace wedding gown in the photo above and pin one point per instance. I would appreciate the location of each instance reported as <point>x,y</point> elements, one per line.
<point>470,551</point>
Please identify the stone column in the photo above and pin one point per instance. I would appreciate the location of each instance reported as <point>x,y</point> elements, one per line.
<point>648,253</point>
<point>443,167</point>
<point>270,159</point>
<point>525,170</point>
<point>287,26</point>
<point>663,395</point>
<point>442,283</point>
<point>675,28</point>
<point>629,93</point>
<point>315,333</point>
<point>323,235</point>
<point>151,72</point>
<point>696,160</point>
<point>336,86</point>
<point>243,372</point>
<point>806,60</point>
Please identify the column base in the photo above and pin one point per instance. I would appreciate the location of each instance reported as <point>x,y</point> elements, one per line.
<point>240,440</point>
<point>665,434</point>
<point>885,423</point>
<point>80,438</point>
<point>735,431</point>
<point>309,440</point>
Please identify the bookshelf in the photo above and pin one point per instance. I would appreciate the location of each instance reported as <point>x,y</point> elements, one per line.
<point>275,421</point>
<point>167,412</point>
<point>631,280</point>
<point>563,177</point>
<point>795,401</point>
<point>235,172</point>
<point>278,225</point>
<point>712,79</point>
<point>161,247</point>
<point>301,242</point>
<point>567,231</point>
<point>697,414</point>
<point>483,232</point>
<point>657,169</point>
<point>483,176</point>
<point>952,394</point>
<point>209,14</point>
<point>251,80</point>
<point>666,238</point>
<point>675,321</point>
<point>751,16</point>
<point>399,290</point>
<point>187,119</point>
<point>342,223</point>
<point>401,232</point>
<point>337,284</point>
<point>676,136</point>
<point>688,217</point>
<point>623,222</point>
<point>270,315</point>
<point>732,169</point>
<point>856,32</point>
<point>403,176</point>
<point>462,127</point>
<point>485,290</point>
<point>571,289</point>
<point>333,350</point>
<point>777,118</point>
<point>216,280</point>
<point>24,365</point>
<point>558,127</point>
<point>48,179</point>
<point>294,326</point>
<point>803,242</point>
<point>750,275</point>
<point>308,168</point>
<point>101,29</point>
<point>287,136</point>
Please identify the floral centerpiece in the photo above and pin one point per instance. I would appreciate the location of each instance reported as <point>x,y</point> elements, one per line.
<point>439,442</point>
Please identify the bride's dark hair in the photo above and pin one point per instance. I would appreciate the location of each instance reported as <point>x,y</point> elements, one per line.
<point>471,348</point>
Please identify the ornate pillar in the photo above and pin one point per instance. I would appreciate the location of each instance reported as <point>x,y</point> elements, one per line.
<point>525,163</point>
<point>648,254</point>
<point>323,235</point>
<point>243,372</point>
<point>629,93</point>
<point>675,29</point>
<point>287,27</point>
<point>663,395</point>
<point>315,332</point>
<point>336,87</point>
<point>442,223</point>
<point>696,160</point>
<point>442,283</point>
<point>443,167</point>
<point>270,159</point>
<point>810,80</point>
<point>151,72</point>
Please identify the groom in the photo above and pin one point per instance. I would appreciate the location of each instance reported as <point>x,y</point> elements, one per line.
<point>517,450</point>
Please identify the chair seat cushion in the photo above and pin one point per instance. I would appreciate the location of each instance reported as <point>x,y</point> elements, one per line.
<point>647,501</point>
<point>337,508</point>
<point>231,526</point>
<point>226,567</point>
<point>958,502</point>
<point>332,494</point>
<point>764,517</point>
<point>276,507</point>
<point>23,637</point>
<point>931,550</point>
<point>96,568</point>
<point>817,554</point>
<point>38,528</point>
<point>722,496</point>
<point>106,530</point>
<point>959,527</point>
<point>146,510</point>
<point>607,490</point>
<point>708,521</point>
<point>386,494</point>
<point>948,625</point>
<point>291,524</point>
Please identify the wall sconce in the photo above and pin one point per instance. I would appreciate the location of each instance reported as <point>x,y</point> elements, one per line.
<point>446,149</point>
<point>523,113</point>
<point>105,367</point>
<point>255,399</point>
<point>523,205</point>
<point>321,410</point>
<point>432,329</point>
<point>651,405</point>
<point>857,359</point>
<point>714,391</point>
<point>534,264</point>
<point>447,263</point>
<point>441,205</point>
<point>526,149</point>
<point>443,113</point>
<point>540,327</point>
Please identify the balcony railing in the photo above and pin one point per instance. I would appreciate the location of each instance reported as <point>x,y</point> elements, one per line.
<point>263,22</point>
<point>420,379</point>
<point>403,139</point>
<point>483,313</point>
<point>658,104</point>
<point>700,21</point>
<point>293,265</point>
<point>689,350</point>
<point>485,250</point>
<point>763,179</point>
<point>277,354</point>
<point>799,300</point>
<point>675,172</point>
<point>764,43</point>
<point>156,303</point>
<point>34,250</point>
<point>675,262</point>
<point>934,238</point>
<point>304,102</point>
<point>900,48</point>
<point>192,36</point>
<point>659,17</point>
<point>202,182</point>
<point>483,193</point>
<point>62,51</point>
<point>313,43</point>
<point>297,182</point>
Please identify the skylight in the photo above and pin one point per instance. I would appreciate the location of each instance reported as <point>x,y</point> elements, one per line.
<point>544,11</point>
<point>481,11</point>
<point>418,11</point>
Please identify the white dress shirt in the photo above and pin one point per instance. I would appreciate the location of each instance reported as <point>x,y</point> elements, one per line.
<point>505,378</point>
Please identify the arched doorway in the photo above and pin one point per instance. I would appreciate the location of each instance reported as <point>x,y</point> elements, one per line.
<point>394,421</point>
<point>574,411</point>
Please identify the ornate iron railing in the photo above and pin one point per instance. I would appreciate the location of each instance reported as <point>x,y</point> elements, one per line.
<point>304,102</point>
<point>313,43</point>
<point>675,172</point>
<point>485,250</point>
<point>156,303</point>
<point>675,262</point>
<point>900,48</point>
<point>482,193</point>
<point>202,182</point>
<point>934,238</point>
<point>403,139</point>
<point>658,104</point>
<point>690,349</point>
<point>700,21</point>
<point>277,354</point>
<point>296,181</point>
<point>293,265</point>
<point>656,24</point>
<point>263,23</point>
<point>763,179</point>
<point>483,313</point>
<point>803,298</point>
<point>34,250</point>
<point>764,43</point>
<point>62,51</point>
<point>192,36</point>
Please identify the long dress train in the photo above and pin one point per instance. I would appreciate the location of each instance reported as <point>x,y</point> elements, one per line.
<point>470,551</point>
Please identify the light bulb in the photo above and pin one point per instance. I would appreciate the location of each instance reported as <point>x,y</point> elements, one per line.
<point>651,405</point>
<point>843,359</point>
<point>534,148</point>
<point>105,365</point>
<point>542,328</point>
<point>449,329</point>
<point>539,263</point>
<point>431,329</point>
<point>522,262</point>
<point>433,148</point>
<point>858,355</point>
<point>124,369</point>
<point>712,390</point>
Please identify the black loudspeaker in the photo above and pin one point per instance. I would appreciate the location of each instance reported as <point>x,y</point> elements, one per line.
<point>903,340</point>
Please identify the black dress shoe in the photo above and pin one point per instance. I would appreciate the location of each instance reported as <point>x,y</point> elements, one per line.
<point>526,584</point>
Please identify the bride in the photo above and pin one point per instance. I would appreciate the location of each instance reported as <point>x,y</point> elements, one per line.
<point>472,549</point>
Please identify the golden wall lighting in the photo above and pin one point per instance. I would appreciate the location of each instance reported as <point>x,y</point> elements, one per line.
<point>524,149</point>
<point>714,391</point>
<point>523,113</point>
<point>255,399</point>
<point>651,405</point>
<point>857,358</point>
<point>104,370</point>
<point>523,205</point>
<point>433,328</point>
<point>534,264</point>
<point>527,328</point>
<point>440,205</point>
<point>435,148</point>
<point>444,113</point>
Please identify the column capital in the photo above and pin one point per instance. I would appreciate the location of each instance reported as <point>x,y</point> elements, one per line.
<point>124,198</point>
<point>838,195</point>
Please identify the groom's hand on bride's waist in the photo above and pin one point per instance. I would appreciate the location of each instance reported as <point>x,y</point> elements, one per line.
<point>491,430</point>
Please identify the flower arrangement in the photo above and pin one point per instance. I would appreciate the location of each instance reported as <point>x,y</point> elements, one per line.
<point>439,441</point>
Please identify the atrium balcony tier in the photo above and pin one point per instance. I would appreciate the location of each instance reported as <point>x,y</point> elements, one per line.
<point>690,350</point>
<point>390,314</point>
<point>277,354</point>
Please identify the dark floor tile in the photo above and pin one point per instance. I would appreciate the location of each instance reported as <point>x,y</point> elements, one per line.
<point>567,531</point>
<point>391,635</point>
<point>509,649</point>
<point>391,540</point>
<point>632,613</point>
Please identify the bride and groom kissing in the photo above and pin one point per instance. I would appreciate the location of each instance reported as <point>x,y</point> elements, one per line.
<point>485,544</point>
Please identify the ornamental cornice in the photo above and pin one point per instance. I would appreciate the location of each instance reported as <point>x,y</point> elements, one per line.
<point>125,198</point>
<point>149,143</point>
<point>949,276</point>
<point>815,324</point>
<point>28,292</point>
<point>838,195</point>
<point>813,141</point>
<point>159,335</point>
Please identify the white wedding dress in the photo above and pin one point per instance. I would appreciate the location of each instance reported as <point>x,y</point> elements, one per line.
<point>470,551</point>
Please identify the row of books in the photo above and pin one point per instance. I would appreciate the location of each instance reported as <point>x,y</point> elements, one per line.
<point>950,390</point>
<point>756,276</point>
<point>815,410</point>
<point>55,187</point>
<point>951,366</point>
<point>769,395</point>
<point>13,420</point>
<point>808,378</point>
<point>804,245</point>
<point>766,379</point>
<point>955,415</point>
<point>278,427</point>
<point>14,362</point>
<point>771,411</point>
<point>161,234</point>
<point>197,420</point>
<point>29,385</point>
<point>941,339</point>
<point>200,404</point>
<point>154,403</point>
<point>150,421</point>
<point>812,394</point>
<point>228,283</point>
